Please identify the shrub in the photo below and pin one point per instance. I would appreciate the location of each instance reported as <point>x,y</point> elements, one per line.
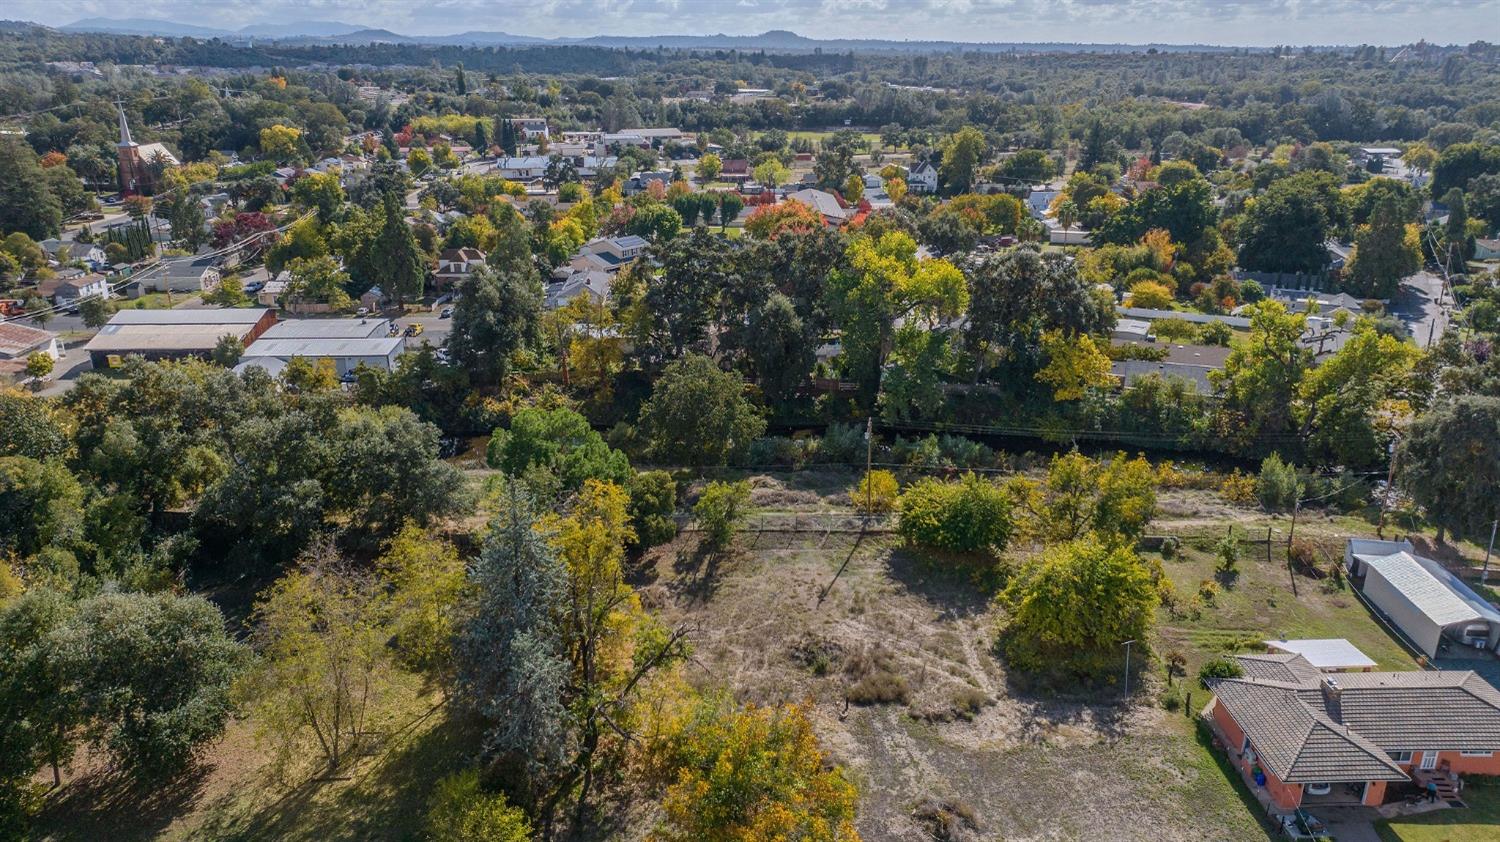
<point>966,453</point>
<point>1170,545</point>
<point>1221,667</point>
<point>1174,330</point>
<point>1216,333</point>
<point>653,501</point>
<point>460,811</point>
<point>971,515</point>
<point>1239,488</point>
<point>876,493</point>
<point>1176,663</point>
<point>875,680</point>
<point>1150,294</point>
<point>946,821</point>
<point>1278,485</point>
<point>1303,555</point>
<point>1228,551</point>
<point>777,451</point>
<point>1076,606</point>
<point>720,509</point>
<point>1208,591</point>
<point>843,444</point>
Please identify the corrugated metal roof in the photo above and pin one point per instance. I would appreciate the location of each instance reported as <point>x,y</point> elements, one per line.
<point>287,348</point>
<point>327,329</point>
<point>205,316</point>
<point>125,338</point>
<point>1326,654</point>
<point>1425,590</point>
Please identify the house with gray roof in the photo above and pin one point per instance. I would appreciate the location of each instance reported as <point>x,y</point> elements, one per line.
<point>1309,738</point>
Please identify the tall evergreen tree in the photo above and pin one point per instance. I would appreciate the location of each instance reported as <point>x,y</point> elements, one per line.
<point>400,265</point>
<point>497,315</point>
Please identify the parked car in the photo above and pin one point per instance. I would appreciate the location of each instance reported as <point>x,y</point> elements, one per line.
<point>362,312</point>
<point>414,329</point>
<point>446,314</point>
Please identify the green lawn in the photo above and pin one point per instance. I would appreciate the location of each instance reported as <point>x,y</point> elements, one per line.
<point>873,138</point>
<point>155,301</point>
<point>1479,823</point>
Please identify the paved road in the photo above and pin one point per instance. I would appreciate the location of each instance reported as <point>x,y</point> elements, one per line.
<point>1417,305</point>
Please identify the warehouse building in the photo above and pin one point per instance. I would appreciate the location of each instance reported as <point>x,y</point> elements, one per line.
<point>174,334</point>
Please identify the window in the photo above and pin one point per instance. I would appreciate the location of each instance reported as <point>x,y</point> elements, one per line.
<point>1400,756</point>
<point>1476,754</point>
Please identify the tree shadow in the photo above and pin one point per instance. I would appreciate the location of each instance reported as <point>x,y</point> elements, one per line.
<point>381,797</point>
<point>695,572</point>
<point>957,587</point>
<point>106,804</point>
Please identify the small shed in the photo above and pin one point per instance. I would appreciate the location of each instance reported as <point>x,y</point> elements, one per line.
<point>1333,654</point>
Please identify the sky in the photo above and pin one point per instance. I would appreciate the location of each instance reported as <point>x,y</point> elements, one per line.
<point>1228,22</point>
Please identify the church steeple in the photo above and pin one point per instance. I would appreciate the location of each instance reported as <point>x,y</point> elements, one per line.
<point>124,128</point>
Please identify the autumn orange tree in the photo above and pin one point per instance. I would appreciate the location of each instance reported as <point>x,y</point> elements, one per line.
<point>792,216</point>
<point>748,774</point>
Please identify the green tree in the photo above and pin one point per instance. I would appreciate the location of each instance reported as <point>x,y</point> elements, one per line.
<point>185,216</point>
<point>698,414</point>
<point>653,504</point>
<point>511,665</point>
<point>325,666</point>
<point>1350,401</point>
<point>720,510</point>
<point>1260,380</point>
<point>1450,460</point>
<point>779,348</point>
<point>38,365</point>
<point>1285,228</point>
<point>709,167</point>
<point>428,583</point>
<point>1385,251</point>
<point>461,811</point>
<point>1075,608</point>
<point>498,313</point>
<point>972,515</point>
<point>1016,295</point>
<point>95,311</point>
<point>730,205</point>
<point>27,204</point>
<point>1029,166</point>
<point>1278,487</point>
<point>771,173</point>
<point>319,280</point>
<point>1457,246</point>
<point>1074,365</point>
<point>29,427</point>
<point>963,152</point>
<point>320,192</point>
<point>559,441</point>
<point>401,267</point>
<point>1114,498</point>
<point>41,502</point>
<point>154,673</point>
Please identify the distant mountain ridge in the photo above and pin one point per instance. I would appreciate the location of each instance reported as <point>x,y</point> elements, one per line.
<point>334,32</point>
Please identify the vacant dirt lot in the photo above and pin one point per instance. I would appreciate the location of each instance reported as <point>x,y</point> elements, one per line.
<point>818,616</point>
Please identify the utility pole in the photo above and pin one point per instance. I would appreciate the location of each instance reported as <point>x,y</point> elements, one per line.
<point>1390,481</point>
<point>869,456</point>
<point>1484,575</point>
<point>1127,668</point>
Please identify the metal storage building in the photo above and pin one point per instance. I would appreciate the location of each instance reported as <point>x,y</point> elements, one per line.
<point>1424,600</point>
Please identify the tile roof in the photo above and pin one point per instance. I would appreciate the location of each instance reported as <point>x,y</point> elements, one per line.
<point>1309,727</point>
<point>1298,743</point>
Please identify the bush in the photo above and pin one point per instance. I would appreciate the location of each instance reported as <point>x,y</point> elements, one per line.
<point>1208,591</point>
<point>462,812</point>
<point>559,441</point>
<point>875,680</point>
<point>876,493</point>
<point>1239,488</point>
<point>1150,294</point>
<point>843,444</point>
<point>1228,551</point>
<point>1170,545</point>
<point>1278,487</point>
<point>1220,667</point>
<point>946,821</point>
<point>1174,330</point>
<point>653,502</point>
<point>971,515</point>
<point>720,509</point>
<point>1216,333</point>
<point>1303,555</point>
<point>778,451</point>
<point>1075,607</point>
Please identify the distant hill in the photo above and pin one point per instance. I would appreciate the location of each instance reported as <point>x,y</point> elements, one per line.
<point>779,40</point>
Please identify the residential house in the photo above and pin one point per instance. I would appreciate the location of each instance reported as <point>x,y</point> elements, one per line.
<point>606,254</point>
<point>1060,235</point>
<point>641,181</point>
<point>67,292</point>
<point>200,274</point>
<point>736,170</point>
<point>531,128</point>
<point>1188,362</point>
<point>174,334</point>
<point>922,178</point>
<point>271,294</point>
<point>1431,607</point>
<point>593,283</point>
<point>524,168</point>
<point>827,204</point>
<point>1039,202</point>
<point>1132,330</point>
<point>1487,249</point>
<point>18,342</point>
<point>1307,738</point>
<point>456,265</point>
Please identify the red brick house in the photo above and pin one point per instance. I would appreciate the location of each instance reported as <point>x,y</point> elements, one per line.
<point>1333,739</point>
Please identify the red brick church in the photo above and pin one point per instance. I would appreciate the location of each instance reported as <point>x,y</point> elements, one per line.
<point>140,164</point>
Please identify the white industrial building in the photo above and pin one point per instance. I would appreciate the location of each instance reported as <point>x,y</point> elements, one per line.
<point>349,343</point>
<point>1419,596</point>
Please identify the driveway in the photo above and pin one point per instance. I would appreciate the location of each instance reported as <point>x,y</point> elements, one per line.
<point>1416,305</point>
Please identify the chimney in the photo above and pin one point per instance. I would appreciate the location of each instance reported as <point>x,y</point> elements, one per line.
<point>1331,695</point>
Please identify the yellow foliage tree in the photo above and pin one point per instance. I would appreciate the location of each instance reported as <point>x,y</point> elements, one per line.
<point>280,142</point>
<point>1073,365</point>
